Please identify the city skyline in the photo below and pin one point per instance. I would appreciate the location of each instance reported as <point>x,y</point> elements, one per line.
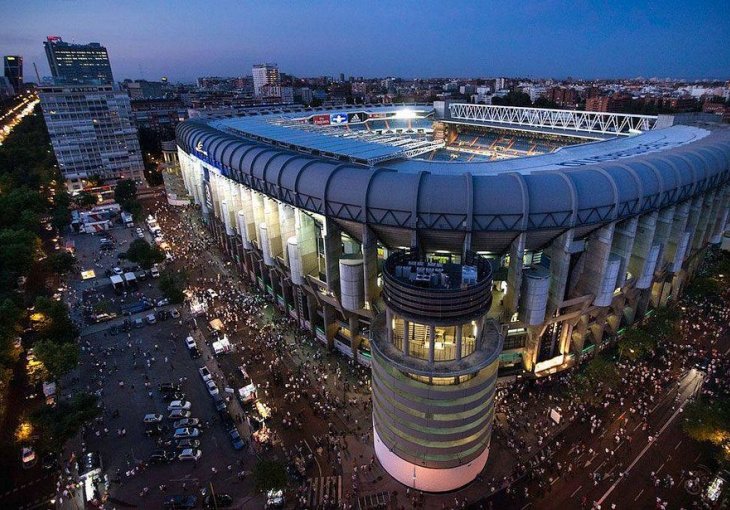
<point>539,39</point>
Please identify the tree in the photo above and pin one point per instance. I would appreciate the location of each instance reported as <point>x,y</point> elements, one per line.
<point>172,286</point>
<point>709,421</point>
<point>269,475</point>
<point>58,358</point>
<point>62,262</point>
<point>635,343</point>
<point>54,321</point>
<point>59,424</point>
<point>125,191</point>
<point>86,199</point>
<point>145,255</point>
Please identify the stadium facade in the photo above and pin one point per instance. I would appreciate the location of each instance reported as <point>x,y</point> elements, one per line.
<point>445,245</point>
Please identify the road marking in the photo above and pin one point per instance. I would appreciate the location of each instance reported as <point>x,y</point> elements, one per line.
<point>680,442</point>
<point>599,467</point>
<point>576,490</point>
<point>698,457</point>
<point>660,467</point>
<point>639,494</point>
<point>555,480</point>
<point>637,426</point>
<point>641,454</point>
<point>527,505</point>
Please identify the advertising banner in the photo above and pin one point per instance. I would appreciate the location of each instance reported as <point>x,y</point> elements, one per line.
<point>338,118</point>
<point>321,120</point>
<point>357,117</point>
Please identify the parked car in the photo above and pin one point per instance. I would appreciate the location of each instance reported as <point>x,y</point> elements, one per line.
<point>163,302</point>
<point>168,386</point>
<point>28,457</point>
<point>186,422</point>
<point>151,319</point>
<point>183,502</point>
<point>220,405</point>
<point>140,234</point>
<point>161,457</point>
<point>212,294</point>
<point>173,395</point>
<point>178,414</point>
<point>154,429</point>
<point>190,342</point>
<point>186,433</point>
<point>212,388</point>
<point>236,440</point>
<point>155,271</point>
<point>190,454</point>
<point>217,501</point>
<point>152,418</point>
<point>179,404</point>
<point>182,444</point>
<point>118,271</point>
<point>205,374</point>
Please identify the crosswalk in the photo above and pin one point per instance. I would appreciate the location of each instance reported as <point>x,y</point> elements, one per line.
<point>323,492</point>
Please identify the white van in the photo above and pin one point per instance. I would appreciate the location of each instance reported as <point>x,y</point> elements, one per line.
<point>155,271</point>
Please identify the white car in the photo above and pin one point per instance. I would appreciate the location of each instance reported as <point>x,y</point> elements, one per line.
<point>212,388</point>
<point>189,454</point>
<point>179,414</point>
<point>186,422</point>
<point>151,319</point>
<point>140,234</point>
<point>186,433</point>
<point>190,342</point>
<point>211,294</point>
<point>205,374</point>
<point>179,404</point>
<point>117,271</point>
<point>152,418</point>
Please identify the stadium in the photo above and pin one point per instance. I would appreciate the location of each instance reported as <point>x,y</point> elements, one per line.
<point>447,245</point>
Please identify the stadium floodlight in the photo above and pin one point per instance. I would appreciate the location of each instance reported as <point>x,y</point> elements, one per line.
<point>405,114</point>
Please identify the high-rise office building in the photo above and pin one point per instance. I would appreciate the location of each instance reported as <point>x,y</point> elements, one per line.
<point>13,71</point>
<point>92,132</point>
<point>78,63</point>
<point>264,74</point>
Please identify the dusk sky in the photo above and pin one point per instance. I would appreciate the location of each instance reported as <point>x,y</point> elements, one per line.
<point>185,39</point>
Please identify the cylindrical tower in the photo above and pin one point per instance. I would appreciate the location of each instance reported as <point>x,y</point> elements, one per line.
<point>435,359</point>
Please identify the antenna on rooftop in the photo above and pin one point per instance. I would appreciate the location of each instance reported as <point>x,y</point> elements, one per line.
<point>38,77</point>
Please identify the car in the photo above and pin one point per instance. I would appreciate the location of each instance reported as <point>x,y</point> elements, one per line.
<point>154,429</point>
<point>169,386</point>
<point>205,374</point>
<point>186,422</point>
<point>179,404</point>
<point>186,433</point>
<point>182,444</point>
<point>175,314</point>
<point>274,499</point>
<point>212,388</point>
<point>190,342</point>
<point>155,271</point>
<point>117,271</point>
<point>49,461</point>
<point>236,440</point>
<point>211,294</point>
<point>194,353</point>
<point>182,502</point>
<point>190,454</point>
<point>163,302</point>
<point>28,457</point>
<point>151,319</point>
<point>152,418</point>
<point>161,457</point>
<point>178,414</point>
<point>141,275</point>
<point>173,395</point>
<point>138,323</point>
<point>220,404</point>
<point>217,501</point>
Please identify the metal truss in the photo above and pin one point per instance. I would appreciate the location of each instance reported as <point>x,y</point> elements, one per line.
<point>569,120</point>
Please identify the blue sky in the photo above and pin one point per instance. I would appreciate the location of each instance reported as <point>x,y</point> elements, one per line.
<point>184,39</point>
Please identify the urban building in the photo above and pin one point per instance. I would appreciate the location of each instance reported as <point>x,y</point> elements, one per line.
<point>159,115</point>
<point>265,74</point>
<point>78,63</point>
<point>6,89</point>
<point>143,89</point>
<point>92,132</point>
<point>443,278</point>
<point>13,71</point>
